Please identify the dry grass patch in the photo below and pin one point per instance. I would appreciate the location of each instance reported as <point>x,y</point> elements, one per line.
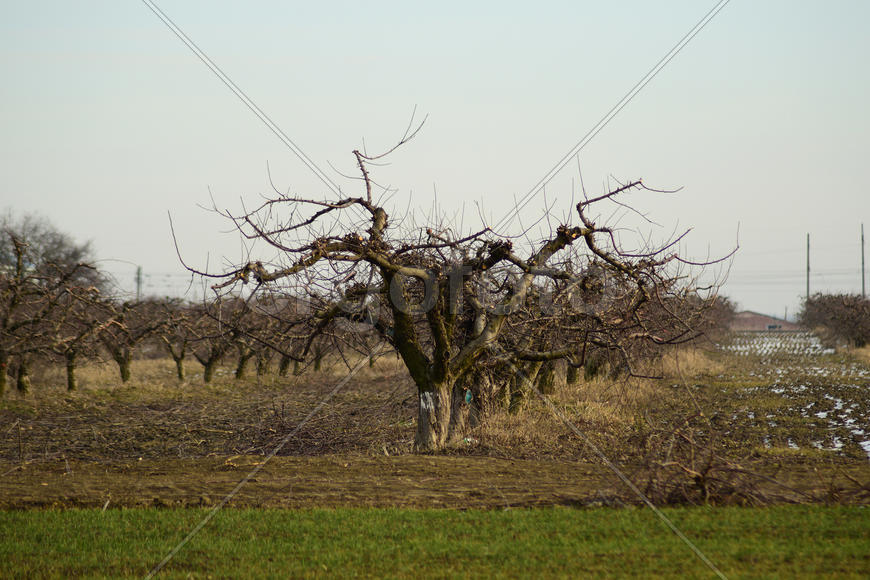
<point>862,354</point>
<point>606,410</point>
<point>688,363</point>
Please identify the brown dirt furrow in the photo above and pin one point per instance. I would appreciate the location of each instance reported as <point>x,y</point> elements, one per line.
<point>305,482</point>
<point>410,481</point>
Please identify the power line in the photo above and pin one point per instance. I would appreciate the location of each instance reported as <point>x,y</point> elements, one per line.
<point>792,272</point>
<point>243,97</point>
<point>611,114</point>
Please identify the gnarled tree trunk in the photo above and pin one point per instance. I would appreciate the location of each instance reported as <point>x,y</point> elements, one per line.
<point>264,359</point>
<point>209,364</point>
<point>179,368</point>
<point>572,375</point>
<point>122,355</point>
<point>4,366</point>
<point>70,357</point>
<point>433,416</point>
<point>208,369</point>
<point>177,356</point>
<point>475,395</point>
<point>284,365</point>
<point>546,382</point>
<point>124,367</point>
<point>523,383</point>
<point>23,380</point>
<point>245,355</point>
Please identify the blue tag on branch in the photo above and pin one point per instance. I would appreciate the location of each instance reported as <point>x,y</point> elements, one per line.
<point>468,396</point>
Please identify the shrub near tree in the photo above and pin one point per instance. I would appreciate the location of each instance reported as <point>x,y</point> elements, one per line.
<point>838,318</point>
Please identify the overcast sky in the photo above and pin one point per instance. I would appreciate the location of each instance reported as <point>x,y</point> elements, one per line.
<point>108,121</point>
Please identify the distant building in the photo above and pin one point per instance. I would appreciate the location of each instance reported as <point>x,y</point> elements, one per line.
<point>748,320</point>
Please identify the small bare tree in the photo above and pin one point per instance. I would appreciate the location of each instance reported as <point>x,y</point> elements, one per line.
<point>217,327</point>
<point>71,334</point>
<point>176,334</point>
<point>454,305</point>
<point>131,324</point>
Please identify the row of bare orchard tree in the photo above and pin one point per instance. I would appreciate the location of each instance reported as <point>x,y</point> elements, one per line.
<point>478,318</point>
<point>54,309</point>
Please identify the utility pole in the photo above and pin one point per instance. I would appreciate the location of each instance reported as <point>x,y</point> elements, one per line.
<point>138,283</point>
<point>863,287</point>
<point>808,266</point>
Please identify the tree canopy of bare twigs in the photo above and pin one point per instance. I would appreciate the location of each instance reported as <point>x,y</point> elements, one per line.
<point>843,318</point>
<point>466,309</point>
<point>44,285</point>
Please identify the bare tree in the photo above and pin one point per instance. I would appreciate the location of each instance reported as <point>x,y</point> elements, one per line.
<point>72,333</point>
<point>843,318</point>
<point>215,327</point>
<point>176,334</point>
<point>37,296</point>
<point>453,305</point>
<point>131,324</point>
<point>48,250</point>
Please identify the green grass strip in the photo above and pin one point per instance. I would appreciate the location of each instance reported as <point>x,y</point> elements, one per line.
<point>782,541</point>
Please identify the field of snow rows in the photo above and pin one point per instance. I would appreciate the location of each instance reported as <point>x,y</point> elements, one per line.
<point>831,392</point>
<point>838,412</point>
<point>767,343</point>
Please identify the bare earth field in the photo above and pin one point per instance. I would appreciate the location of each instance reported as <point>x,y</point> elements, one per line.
<point>746,425</point>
